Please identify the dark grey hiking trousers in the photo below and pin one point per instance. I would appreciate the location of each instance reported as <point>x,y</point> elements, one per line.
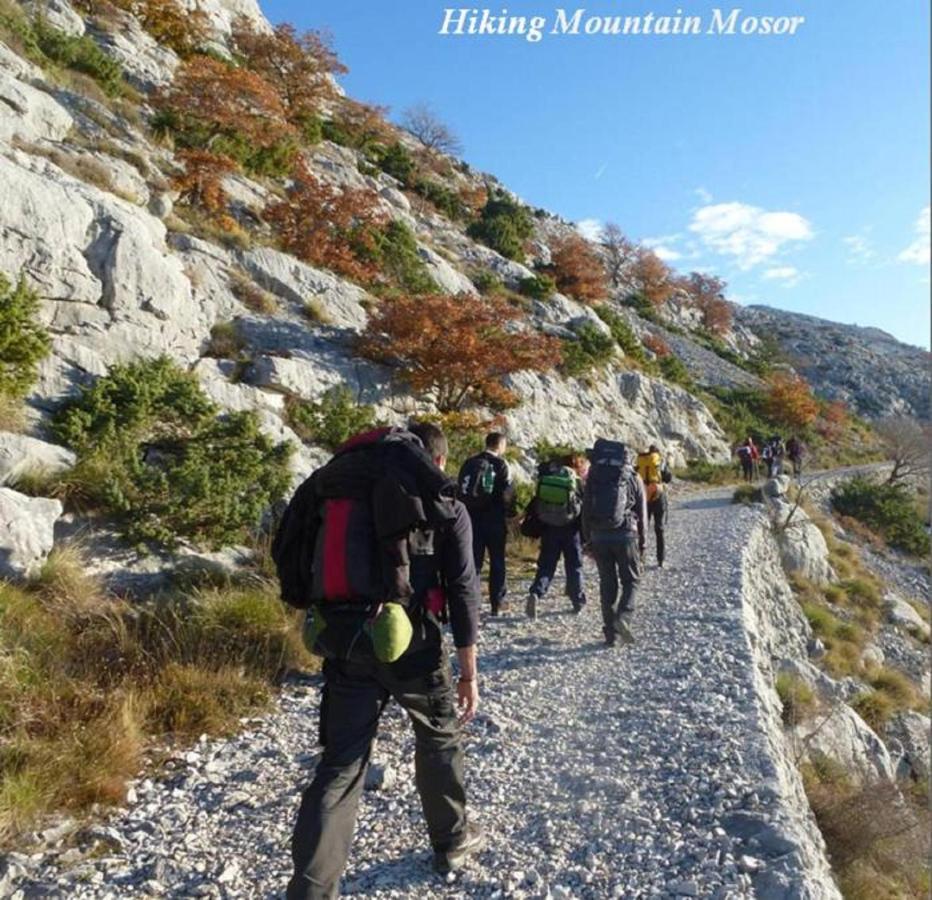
<point>619,564</point>
<point>356,694</point>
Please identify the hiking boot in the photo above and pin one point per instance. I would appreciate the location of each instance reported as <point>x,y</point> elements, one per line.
<point>471,843</point>
<point>530,606</point>
<point>622,627</point>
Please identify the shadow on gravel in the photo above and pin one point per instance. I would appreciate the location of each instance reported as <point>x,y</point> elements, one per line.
<point>515,657</point>
<point>406,873</point>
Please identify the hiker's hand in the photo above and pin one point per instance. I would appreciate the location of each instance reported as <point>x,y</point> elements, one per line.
<point>467,699</point>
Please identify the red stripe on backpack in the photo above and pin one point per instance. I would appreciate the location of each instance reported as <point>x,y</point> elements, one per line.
<point>336,565</point>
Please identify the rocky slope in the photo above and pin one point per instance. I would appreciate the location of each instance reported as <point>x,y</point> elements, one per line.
<point>870,370</point>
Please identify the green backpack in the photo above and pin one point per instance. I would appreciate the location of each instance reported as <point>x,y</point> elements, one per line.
<point>559,501</point>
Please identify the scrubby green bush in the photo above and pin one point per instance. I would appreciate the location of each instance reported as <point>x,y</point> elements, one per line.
<point>798,699</point>
<point>23,341</point>
<point>445,200</point>
<point>673,369</point>
<point>622,332</point>
<point>487,282</point>
<point>504,225</point>
<point>79,53</point>
<point>644,308</point>
<point>888,509</point>
<point>747,494</point>
<point>590,350</point>
<point>397,257</point>
<point>396,160</point>
<point>155,452</point>
<point>332,420</point>
<point>537,287</point>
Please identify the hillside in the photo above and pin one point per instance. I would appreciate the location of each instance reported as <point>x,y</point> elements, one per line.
<point>866,368</point>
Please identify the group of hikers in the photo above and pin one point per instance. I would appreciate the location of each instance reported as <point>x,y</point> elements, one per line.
<point>383,549</point>
<point>773,453</point>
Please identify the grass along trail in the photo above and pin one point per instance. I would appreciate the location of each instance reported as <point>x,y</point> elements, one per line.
<point>639,771</point>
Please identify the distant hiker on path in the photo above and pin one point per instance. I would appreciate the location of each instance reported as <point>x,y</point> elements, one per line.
<point>656,475</point>
<point>777,456</point>
<point>386,482</point>
<point>613,520</point>
<point>748,456</point>
<point>485,488</point>
<point>794,453</point>
<point>557,506</point>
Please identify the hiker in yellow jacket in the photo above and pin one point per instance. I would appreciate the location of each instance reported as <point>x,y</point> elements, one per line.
<point>656,475</point>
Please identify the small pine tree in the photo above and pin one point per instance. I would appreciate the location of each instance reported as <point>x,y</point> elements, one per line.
<point>24,343</point>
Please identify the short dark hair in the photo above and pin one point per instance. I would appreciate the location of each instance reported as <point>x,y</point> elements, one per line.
<point>432,437</point>
<point>494,440</point>
<point>653,449</point>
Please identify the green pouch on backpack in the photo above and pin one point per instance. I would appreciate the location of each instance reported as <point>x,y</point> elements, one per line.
<point>390,632</point>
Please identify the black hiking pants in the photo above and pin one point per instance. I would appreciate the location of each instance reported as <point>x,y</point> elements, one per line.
<point>619,564</point>
<point>747,467</point>
<point>489,534</point>
<point>557,541</point>
<point>356,694</point>
<point>657,510</point>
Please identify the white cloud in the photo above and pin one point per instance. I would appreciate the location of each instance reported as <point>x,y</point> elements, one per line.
<point>789,275</point>
<point>918,251</point>
<point>749,234</point>
<point>590,229</point>
<point>860,248</point>
<point>663,247</point>
<point>704,196</point>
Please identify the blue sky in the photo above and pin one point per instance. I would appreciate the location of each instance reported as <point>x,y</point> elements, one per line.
<point>797,168</point>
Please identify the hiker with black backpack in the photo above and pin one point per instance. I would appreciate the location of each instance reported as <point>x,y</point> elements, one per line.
<point>486,490</point>
<point>656,475</point>
<point>378,550</point>
<point>614,518</point>
<point>557,506</point>
<point>794,453</point>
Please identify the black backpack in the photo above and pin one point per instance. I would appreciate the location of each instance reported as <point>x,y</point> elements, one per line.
<point>477,482</point>
<point>343,540</point>
<point>607,501</point>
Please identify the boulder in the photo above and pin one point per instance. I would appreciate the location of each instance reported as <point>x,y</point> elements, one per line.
<point>58,14</point>
<point>297,282</point>
<point>27,532</point>
<point>912,730</point>
<point>448,279</point>
<point>904,615</point>
<point>842,735</point>
<point>20,454</point>
<point>802,545</point>
<point>30,114</point>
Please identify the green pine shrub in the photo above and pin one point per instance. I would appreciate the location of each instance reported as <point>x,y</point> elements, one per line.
<point>155,452</point>
<point>622,332</point>
<point>591,349</point>
<point>673,369</point>
<point>396,160</point>
<point>332,420</point>
<point>537,287</point>
<point>396,255</point>
<point>887,509</point>
<point>446,201</point>
<point>505,225</point>
<point>79,53</point>
<point>24,343</point>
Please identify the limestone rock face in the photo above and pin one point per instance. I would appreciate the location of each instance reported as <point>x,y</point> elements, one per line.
<point>903,615</point>
<point>27,532</point>
<point>845,737</point>
<point>20,454</point>
<point>28,113</point>
<point>58,13</point>
<point>912,730</point>
<point>802,546</point>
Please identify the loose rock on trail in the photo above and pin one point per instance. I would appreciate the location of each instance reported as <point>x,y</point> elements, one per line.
<point>639,771</point>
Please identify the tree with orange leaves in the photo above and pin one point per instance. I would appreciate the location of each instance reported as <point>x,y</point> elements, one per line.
<point>790,400</point>
<point>210,99</point>
<point>298,66</point>
<point>577,269</point>
<point>708,293</point>
<point>834,420</point>
<point>455,351</point>
<point>653,276</point>
<point>328,227</point>
<point>201,183</point>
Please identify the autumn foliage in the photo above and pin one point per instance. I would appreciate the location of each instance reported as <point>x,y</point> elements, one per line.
<point>222,99</point>
<point>652,276</point>
<point>834,420</point>
<point>328,227</point>
<point>201,183</point>
<point>183,30</point>
<point>707,292</point>
<point>657,345</point>
<point>296,65</point>
<point>456,350</point>
<point>790,400</point>
<point>577,269</point>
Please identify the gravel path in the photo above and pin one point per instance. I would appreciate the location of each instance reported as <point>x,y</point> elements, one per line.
<point>635,772</point>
